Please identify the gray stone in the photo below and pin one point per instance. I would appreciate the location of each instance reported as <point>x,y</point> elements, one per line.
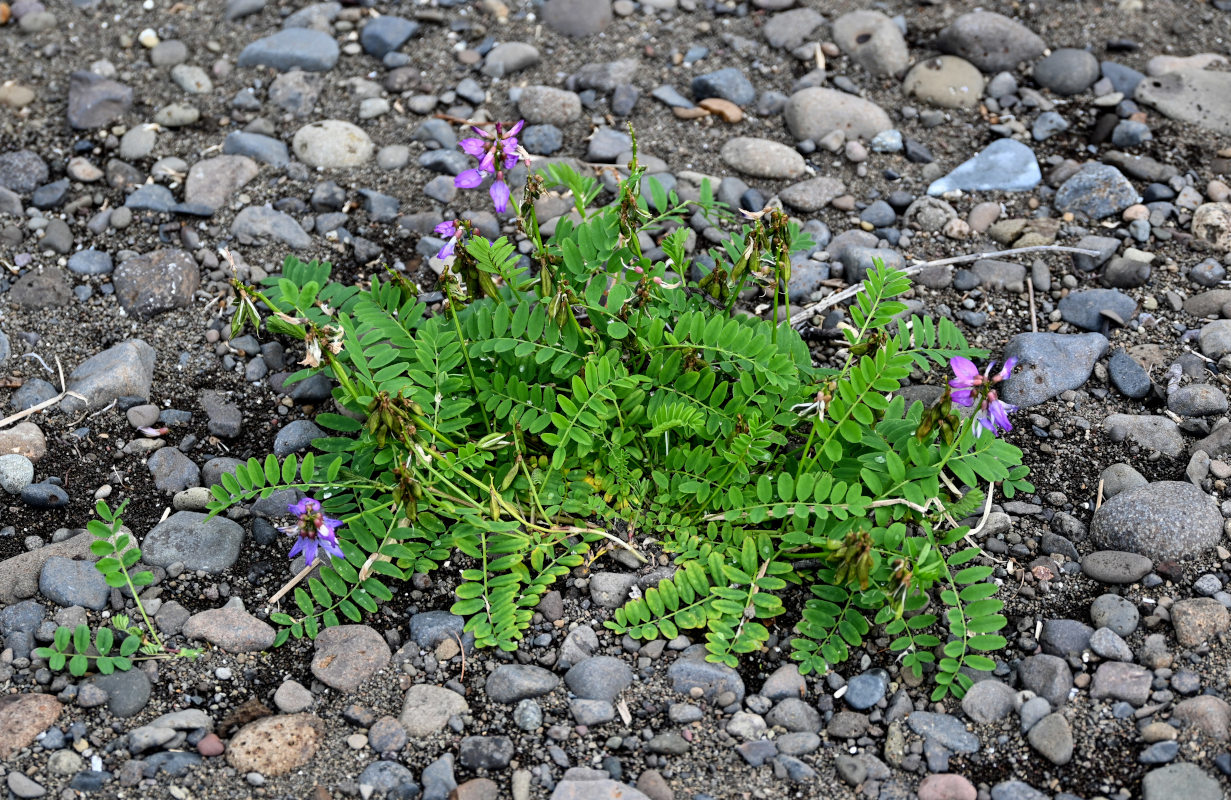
<point>509,57</point>
<point>1162,520</point>
<point>332,144</point>
<point>712,680</point>
<point>1115,566</point>
<point>988,701</point>
<point>1004,165</point>
<point>1062,637</point>
<point>172,470</point>
<point>872,40</point>
<point>429,628</point>
<point>791,29</point>
<point>213,181</point>
<point>1114,612</point>
<point>1048,364</point>
<point>1121,681</point>
<point>189,538</point>
<point>1195,96</point>
<point>156,282</point>
<point>1053,738</point>
<point>762,158</point>
<point>1047,676</point>
<point>1093,309</point>
<point>1197,400</point>
<point>427,709</point>
<point>23,171</point>
<point>95,101</point>
<point>599,678</point>
<point>292,48</point>
<point>125,370</point>
<point>1107,644</point>
<point>16,472</point>
<point>945,730</point>
<point>1151,432</point>
<point>510,683</point>
<point>254,145</point>
<point>90,262</point>
<point>729,84</point>
<point>74,583</point>
<point>1097,191</point>
<point>577,17</point>
<point>1180,780</point>
<point>814,112</point>
<point>348,655</point>
<point>1067,71</point>
<point>547,105</point>
<point>264,224</point>
<point>795,715</point>
<point>813,194</point>
<point>385,34</point>
<point>485,752</point>
<point>296,437</point>
<point>990,41</point>
<point>1129,377</point>
<point>610,589</point>
<point>866,690</point>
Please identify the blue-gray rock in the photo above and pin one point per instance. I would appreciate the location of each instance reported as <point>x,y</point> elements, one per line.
<point>6,349</point>
<point>1181,780</point>
<point>1104,246</point>
<point>485,752</point>
<point>151,197</point>
<point>189,538</point>
<point>806,277</point>
<point>31,393</point>
<point>172,470</point>
<point>1197,400</point>
<point>1086,309</point>
<point>988,701</point>
<point>857,261</point>
<point>295,437</point>
<point>156,282</point>
<point>1123,79</point>
<point>1048,364</point>
<point>446,162</point>
<point>383,776</point>
<point>1060,637</point>
<point>1130,133</point>
<point>385,34</point>
<point>590,712</point>
<point>1208,273</point>
<point>16,472</point>
<point>50,195</point>
<point>542,140</point>
<point>127,692</point>
<point>1161,520</point>
<point>89,262</point>
<point>713,680</point>
<point>944,730</point>
<point>1067,71</point>
<point>23,171</point>
<point>1114,612</point>
<point>866,690</point>
<point>264,224</point>
<point>1017,790</point>
<point>44,495</point>
<point>1047,125</point>
<point>73,583</point>
<point>670,96</point>
<point>1107,644</point>
<point>292,48</point>
<point>438,780</point>
<point>1052,738</point>
<point>729,84</point>
<point>599,678</point>
<point>429,628</point>
<point>606,144</point>
<point>1129,377</point>
<point>509,57</point>
<point>1005,165</point>
<point>510,683</point>
<point>237,9</point>
<point>1159,753</point>
<point>1147,430</point>
<point>1097,191</point>
<point>254,145</point>
<point>95,101</point>
<point>990,41</point>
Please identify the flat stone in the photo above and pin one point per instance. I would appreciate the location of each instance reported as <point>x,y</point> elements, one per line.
<point>127,692</point>
<point>125,370</point>
<point>992,42</point>
<point>276,745</point>
<point>1048,364</point>
<point>813,194</point>
<point>1005,165</point>
<point>712,679</point>
<point>386,34</point>
<point>1195,96</point>
<point>292,48</point>
<point>1209,714</point>
<point>213,181</point>
<point>1067,71</point>
<point>427,709</point>
<point>547,105</point>
<point>156,282</point>
<point>599,678</point>
<point>231,628</point>
<point>510,683</point>
<point>1198,619</point>
<point>1097,191</point>
<point>872,40</point>
<point>188,537</point>
<point>577,17</point>
<point>1121,681</point>
<point>22,718</point>
<point>254,145</point>
<point>1116,566</point>
<point>73,583</point>
<point>264,224</point>
<point>95,101</point>
<point>815,112</point>
<point>348,655</point>
<point>1182,779</point>
<point>762,158</point>
<point>332,144</point>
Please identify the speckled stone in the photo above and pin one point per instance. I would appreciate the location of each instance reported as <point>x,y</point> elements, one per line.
<point>1161,520</point>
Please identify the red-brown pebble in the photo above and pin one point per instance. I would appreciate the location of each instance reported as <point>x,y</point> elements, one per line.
<point>210,746</point>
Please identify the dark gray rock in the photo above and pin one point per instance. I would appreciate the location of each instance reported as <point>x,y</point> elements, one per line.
<point>127,692</point>
<point>485,752</point>
<point>729,84</point>
<point>599,678</point>
<point>712,679</point>
<point>156,282</point>
<point>1129,377</point>
<point>23,171</point>
<point>385,34</point>
<point>1162,520</point>
<point>1097,191</point>
<point>73,583</point>
<point>510,683</point>
<point>1048,364</point>
<point>95,101</point>
<point>1067,71</point>
<point>172,470</point>
<point>990,41</point>
<point>257,146</point>
<point>1047,676</point>
<point>292,48</point>
<point>187,537</point>
<point>1090,308</point>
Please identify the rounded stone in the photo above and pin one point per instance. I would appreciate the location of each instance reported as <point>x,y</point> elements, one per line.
<point>945,81</point>
<point>347,655</point>
<point>332,143</point>
<point>762,158</point>
<point>1067,71</point>
<point>276,745</point>
<point>1161,520</point>
<point>815,112</point>
<point>16,472</point>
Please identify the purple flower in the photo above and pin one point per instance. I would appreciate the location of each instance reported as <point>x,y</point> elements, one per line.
<point>451,229</point>
<point>314,531</point>
<point>468,179</point>
<point>500,195</point>
<point>497,152</point>
<point>994,413</point>
<point>966,379</point>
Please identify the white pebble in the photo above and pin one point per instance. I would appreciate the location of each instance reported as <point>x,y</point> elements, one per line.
<point>223,673</point>
<point>148,38</point>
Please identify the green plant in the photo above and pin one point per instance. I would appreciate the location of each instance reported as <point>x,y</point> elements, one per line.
<point>594,399</point>
<point>73,647</point>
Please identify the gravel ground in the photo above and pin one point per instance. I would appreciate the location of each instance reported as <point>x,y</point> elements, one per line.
<point>138,139</point>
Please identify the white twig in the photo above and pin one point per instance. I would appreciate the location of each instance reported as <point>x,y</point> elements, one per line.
<point>20,415</point>
<point>834,299</point>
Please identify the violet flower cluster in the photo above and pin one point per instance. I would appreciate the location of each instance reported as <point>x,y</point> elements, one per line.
<point>314,530</point>
<point>497,152</point>
<point>970,387</point>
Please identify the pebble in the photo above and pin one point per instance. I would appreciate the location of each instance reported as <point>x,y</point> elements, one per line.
<point>814,112</point>
<point>332,144</point>
<point>992,42</point>
<point>1048,364</point>
<point>1180,780</point>
<point>385,34</point>
<point>762,158</point>
<point>1067,71</point>
<point>872,40</point>
<point>1097,191</point>
<point>95,101</point>
<point>599,678</point>
<point>510,683</point>
<point>427,709</point>
<point>276,745</point>
<point>945,81</point>
<point>16,472</point>
<point>73,583</point>
<point>547,105</point>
